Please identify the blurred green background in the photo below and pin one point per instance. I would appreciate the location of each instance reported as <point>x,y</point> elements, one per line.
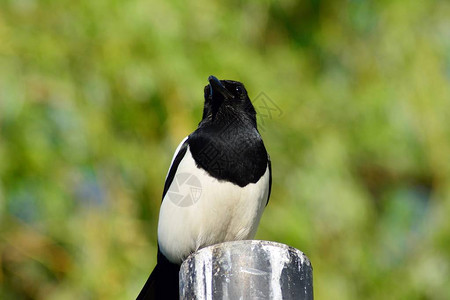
<point>96,95</point>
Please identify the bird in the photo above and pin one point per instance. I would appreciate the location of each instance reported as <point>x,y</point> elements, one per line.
<point>217,186</point>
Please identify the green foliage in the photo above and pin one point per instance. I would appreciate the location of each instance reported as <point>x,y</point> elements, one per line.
<point>96,95</point>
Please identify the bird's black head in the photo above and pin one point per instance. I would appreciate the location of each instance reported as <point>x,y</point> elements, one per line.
<point>225,101</point>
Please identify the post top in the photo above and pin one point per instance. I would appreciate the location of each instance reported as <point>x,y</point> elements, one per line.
<point>249,245</point>
<point>247,269</point>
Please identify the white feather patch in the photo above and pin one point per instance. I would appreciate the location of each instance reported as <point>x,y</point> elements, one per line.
<point>219,211</point>
<point>175,154</point>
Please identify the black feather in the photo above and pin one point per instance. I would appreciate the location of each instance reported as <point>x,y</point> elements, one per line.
<point>174,168</point>
<point>162,283</point>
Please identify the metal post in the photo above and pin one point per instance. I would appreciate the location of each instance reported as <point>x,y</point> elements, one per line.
<point>246,270</point>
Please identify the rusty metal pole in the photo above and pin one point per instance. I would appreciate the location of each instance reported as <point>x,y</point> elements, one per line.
<point>246,270</point>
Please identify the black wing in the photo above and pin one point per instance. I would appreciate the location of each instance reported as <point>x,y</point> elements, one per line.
<point>270,178</point>
<point>173,168</point>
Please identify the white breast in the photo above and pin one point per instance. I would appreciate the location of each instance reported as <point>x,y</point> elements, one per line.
<point>199,211</point>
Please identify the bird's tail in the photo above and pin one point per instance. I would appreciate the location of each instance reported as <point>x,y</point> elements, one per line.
<point>162,282</point>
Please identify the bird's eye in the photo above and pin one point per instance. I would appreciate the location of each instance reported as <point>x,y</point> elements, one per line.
<point>239,89</point>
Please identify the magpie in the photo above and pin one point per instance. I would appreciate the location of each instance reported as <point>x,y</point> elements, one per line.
<point>217,187</point>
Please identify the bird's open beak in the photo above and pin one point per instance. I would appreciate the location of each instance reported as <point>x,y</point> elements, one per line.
<point>215,86</point>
